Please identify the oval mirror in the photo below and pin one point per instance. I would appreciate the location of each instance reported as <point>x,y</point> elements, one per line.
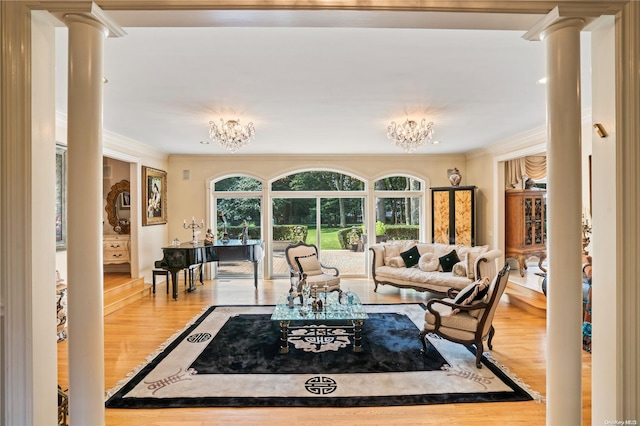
<point>118,207</point>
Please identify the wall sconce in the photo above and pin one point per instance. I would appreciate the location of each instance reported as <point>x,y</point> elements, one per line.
<point>600,130</point>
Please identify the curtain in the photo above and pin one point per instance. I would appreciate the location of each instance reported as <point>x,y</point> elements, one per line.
<point>533,166</point>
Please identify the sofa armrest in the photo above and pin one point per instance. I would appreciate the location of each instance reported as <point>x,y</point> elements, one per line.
<point>378,255</point>
<point>486,264</point>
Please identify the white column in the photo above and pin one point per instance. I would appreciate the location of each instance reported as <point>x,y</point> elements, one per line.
<point>564,209</point>
<point>84,235</point>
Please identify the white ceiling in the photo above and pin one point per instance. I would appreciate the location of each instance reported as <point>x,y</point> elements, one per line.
<point>320,82</point>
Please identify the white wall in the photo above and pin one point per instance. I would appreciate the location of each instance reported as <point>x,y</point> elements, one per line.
<point>127,157</point>
<point>606,368</point>
<point>188,198</point>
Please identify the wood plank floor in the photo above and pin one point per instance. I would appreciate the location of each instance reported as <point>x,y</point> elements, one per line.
<point>136,330</point>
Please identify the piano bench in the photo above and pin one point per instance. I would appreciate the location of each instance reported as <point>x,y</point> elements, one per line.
<point>164,272</point>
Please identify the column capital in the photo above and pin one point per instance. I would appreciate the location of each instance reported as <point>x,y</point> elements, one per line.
<point>88,11</point>
<point>557,18</point>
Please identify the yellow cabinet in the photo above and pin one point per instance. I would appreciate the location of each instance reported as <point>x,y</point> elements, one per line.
<point>453,216</point>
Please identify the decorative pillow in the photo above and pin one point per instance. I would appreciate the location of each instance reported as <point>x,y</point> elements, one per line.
<point>448,260</point>
<point>474,292</point>
<point>460,269</point>
<point>428,262</point>
<point>391,251</point>
<point>396,262</point>
<point>411,257</point>
<point>309,264</point>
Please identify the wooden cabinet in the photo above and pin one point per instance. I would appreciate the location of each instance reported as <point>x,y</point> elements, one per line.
<point>525,226</point>
<point>116,249</point>
<point>453,215</point>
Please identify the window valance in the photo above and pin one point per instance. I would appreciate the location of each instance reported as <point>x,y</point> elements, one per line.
<point>533,166</point>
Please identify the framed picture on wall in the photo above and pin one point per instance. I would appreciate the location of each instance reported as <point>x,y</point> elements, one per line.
<point>61,197</point>
<point>154,196</point>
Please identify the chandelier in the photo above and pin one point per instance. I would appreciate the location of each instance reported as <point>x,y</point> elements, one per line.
<point>410,136</point>
<point>231,135</point>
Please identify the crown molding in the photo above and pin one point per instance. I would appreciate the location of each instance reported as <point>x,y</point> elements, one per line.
<point>522,142</point>
<point>114,144</point>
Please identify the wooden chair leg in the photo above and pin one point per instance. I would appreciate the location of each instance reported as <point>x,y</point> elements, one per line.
<point>479,351</point>
<point>423,340</point>
<point>492,331</point>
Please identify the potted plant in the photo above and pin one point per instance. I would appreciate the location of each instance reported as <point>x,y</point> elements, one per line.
<point>381,232</point>
<point>354,239</point>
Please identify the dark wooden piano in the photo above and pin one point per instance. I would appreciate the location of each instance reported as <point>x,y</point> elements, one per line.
<point>186,255</point>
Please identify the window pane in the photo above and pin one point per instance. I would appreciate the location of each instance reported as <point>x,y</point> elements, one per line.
<point>397,183</point>
<point>318,181</point>
<point>238,183</point>
<point>398,218</point>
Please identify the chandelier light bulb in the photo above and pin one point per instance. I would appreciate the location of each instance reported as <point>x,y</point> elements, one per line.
<point>231,135</point>
<point>410,136</point>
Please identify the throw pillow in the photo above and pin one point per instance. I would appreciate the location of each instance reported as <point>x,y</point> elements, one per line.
<point>460,269</point>
<point>474,292</point>
<point>448,260</point>
<point>309,264</point>
<point>428,262</point>
<point>411,257</point>
<point>396,262</point>
<point>391,251</point>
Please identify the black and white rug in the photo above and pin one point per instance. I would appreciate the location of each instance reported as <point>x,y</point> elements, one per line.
<point>229,357</point>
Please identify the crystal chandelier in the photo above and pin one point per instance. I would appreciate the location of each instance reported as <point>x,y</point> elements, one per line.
<point>231,134</point>
<point>410,136</point>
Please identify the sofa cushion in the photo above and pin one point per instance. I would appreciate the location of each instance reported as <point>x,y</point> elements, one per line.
<point>411,257</point>
<point>428,262</point>
<point>425,248</point>
<point>448,260</point>
<point>309,264</point>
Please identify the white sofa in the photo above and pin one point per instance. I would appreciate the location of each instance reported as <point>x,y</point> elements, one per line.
<point>475,262</point>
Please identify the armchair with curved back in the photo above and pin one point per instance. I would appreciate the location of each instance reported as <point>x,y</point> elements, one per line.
<point>303,257</point>
<point>466,324</point>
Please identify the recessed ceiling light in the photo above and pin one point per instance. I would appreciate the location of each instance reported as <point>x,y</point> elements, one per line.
<point>435,142</point>
<point>204,142</point>
<point>543,80</point>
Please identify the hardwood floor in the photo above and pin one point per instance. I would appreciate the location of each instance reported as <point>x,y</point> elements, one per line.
<point>133,332</point>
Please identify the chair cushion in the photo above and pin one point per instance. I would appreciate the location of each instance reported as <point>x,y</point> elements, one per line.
<point>322,279</point>
<point>428,262</point>
<point>411,257</point>
<point>309,264</point>
<point>462,321</point>
<point>448,260</point>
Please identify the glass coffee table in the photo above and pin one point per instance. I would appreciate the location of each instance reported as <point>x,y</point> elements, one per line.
<point>335,320</point>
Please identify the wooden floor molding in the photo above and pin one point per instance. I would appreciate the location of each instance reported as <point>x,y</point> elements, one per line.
<point>134,331</point>
<point>527,299</point>
<point>121,290</point>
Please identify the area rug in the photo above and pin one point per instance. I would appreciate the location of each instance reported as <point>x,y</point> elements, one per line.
<point>229,357</point>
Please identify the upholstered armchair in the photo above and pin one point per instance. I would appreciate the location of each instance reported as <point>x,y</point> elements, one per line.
<point>466,318</point>
<point>303,258</point>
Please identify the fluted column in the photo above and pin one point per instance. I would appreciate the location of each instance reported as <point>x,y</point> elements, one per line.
<point>564,208</point>
<point>84,235</point>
